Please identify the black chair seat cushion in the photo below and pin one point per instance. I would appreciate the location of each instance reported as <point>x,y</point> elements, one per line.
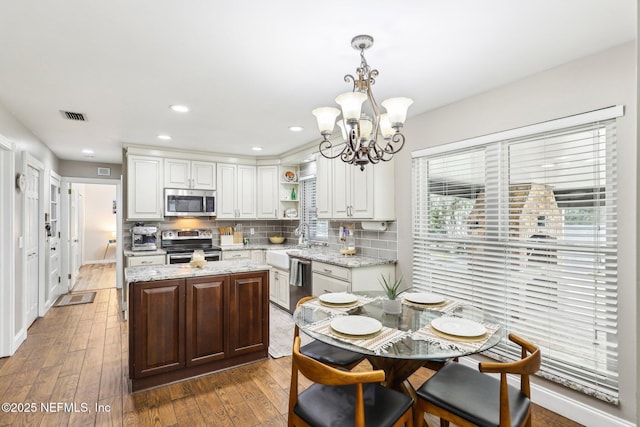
<point>472,395</point>
<point>330,354</point>
<point>321,405</point>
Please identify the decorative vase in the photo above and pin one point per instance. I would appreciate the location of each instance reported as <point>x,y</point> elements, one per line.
<point>392,306</point>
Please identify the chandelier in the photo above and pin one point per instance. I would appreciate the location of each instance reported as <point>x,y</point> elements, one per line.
<point>361,130</point>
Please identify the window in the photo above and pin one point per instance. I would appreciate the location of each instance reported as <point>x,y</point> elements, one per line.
<point>318,229</point>
<point>525,227</point>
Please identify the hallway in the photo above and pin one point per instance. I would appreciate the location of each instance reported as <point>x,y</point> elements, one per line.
<point>95,276</point>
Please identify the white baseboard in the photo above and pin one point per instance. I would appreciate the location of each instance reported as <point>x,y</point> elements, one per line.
<point>18,339</point>
<point>567,407</point>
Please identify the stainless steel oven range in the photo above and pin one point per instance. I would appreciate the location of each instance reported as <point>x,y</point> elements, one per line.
<point>180,245</point>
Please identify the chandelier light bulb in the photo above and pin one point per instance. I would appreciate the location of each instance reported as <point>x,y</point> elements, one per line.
<point>397,110</point>
<point>326,117</point>
<point>351,103</point>
<point>365,128</point>
<point>386,129</point>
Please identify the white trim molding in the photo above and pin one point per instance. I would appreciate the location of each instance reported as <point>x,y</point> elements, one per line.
<point>7,248</point>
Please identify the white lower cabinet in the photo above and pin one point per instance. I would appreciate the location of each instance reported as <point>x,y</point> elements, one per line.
<point>242,254</point>
<point>279,287</point>
<point>332,278</point>
<point>258,255</point>
<point>133,261</point>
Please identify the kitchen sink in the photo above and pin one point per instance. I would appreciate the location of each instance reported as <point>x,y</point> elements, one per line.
<point>278,258</point>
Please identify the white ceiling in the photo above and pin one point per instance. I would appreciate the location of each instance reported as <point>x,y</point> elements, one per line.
<point>250,69</point>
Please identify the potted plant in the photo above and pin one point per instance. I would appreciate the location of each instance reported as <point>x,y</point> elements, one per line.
<point>392,304</point>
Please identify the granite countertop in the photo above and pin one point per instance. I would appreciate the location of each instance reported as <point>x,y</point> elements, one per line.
<point>178,271</point>
<point>335,258</point>
<point>259,246</point>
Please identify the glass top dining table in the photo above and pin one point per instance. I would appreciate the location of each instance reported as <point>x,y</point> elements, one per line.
<point>416,344</point>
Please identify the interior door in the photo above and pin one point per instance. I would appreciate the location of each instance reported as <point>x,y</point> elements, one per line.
<point>53,239</point>
<point>74,234</point>
<point>32,237</point>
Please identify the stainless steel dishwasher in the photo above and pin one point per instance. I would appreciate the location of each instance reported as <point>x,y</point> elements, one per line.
<point>299,280</point>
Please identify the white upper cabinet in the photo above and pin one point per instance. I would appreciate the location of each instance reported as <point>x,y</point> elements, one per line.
<point>144,187</point>
<point>236,193</point>
<point>268,197</point>
<point>345,192</point>
<point>324,183</point>
<point>179,173</point>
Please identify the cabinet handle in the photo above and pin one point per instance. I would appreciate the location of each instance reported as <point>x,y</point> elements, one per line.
<point>326,270</point>
<point>275,213</point>
<point>146,262</point>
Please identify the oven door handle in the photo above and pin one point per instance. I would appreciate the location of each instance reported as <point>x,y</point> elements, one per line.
<point>179,256</point>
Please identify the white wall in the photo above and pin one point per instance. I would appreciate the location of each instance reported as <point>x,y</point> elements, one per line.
<point>99,222</point>
<point>24,142</point>
<point>591,83</point>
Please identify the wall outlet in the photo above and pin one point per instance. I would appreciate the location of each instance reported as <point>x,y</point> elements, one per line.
<point>251,231</point>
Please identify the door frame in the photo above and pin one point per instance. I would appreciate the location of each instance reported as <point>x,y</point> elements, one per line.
<point>7,247</point>
<point>65,184</point>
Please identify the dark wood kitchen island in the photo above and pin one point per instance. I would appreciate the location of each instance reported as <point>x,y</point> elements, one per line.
<point>186,321</point>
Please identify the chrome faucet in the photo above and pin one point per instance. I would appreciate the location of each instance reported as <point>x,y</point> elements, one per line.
<point>302,230</point>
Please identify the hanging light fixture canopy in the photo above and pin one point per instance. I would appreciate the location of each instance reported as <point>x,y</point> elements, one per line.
<point>360,130</point>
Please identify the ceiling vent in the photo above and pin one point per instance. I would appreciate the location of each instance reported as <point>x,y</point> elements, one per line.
<point>73,116</point>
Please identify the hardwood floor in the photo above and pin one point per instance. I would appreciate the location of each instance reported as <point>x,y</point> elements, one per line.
<point>95,276</point>
<point>78,355</point>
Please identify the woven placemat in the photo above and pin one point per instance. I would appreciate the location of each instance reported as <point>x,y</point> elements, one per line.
<point>467,344</point>
<point>376,342</point>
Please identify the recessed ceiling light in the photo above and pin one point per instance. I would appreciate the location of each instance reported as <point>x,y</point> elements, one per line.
<point>256,148</point>
<point>87,151</point>
<point>296,128</point>
<point>164,137</point>
<point>179,108</point>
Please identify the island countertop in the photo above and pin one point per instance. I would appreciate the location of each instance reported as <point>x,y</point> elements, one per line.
<point>177,271</point>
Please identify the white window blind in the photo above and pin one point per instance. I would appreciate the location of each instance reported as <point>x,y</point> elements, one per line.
<point>318,229</point>
<point>526,228</point>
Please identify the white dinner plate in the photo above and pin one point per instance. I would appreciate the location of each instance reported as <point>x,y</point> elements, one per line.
<point>338,298</point>
<point>355,325</point>
<point>458,327</point>
<point>424,298</point>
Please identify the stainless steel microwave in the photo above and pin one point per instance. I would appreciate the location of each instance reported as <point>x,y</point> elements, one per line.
<point>180,202</point>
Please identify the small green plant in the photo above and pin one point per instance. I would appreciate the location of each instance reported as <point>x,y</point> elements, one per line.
<point>390,287</point>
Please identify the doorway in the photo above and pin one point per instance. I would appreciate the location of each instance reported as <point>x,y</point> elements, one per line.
<point>91,229</point>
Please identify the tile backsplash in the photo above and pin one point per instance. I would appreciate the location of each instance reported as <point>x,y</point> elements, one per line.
<point>380,244</point>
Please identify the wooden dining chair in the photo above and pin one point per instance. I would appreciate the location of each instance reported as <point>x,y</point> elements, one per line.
<point>466,397</point>
<point>343,398</point>
<point>327,353</point>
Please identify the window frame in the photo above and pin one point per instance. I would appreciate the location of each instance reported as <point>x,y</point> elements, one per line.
<point>500,141</point>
